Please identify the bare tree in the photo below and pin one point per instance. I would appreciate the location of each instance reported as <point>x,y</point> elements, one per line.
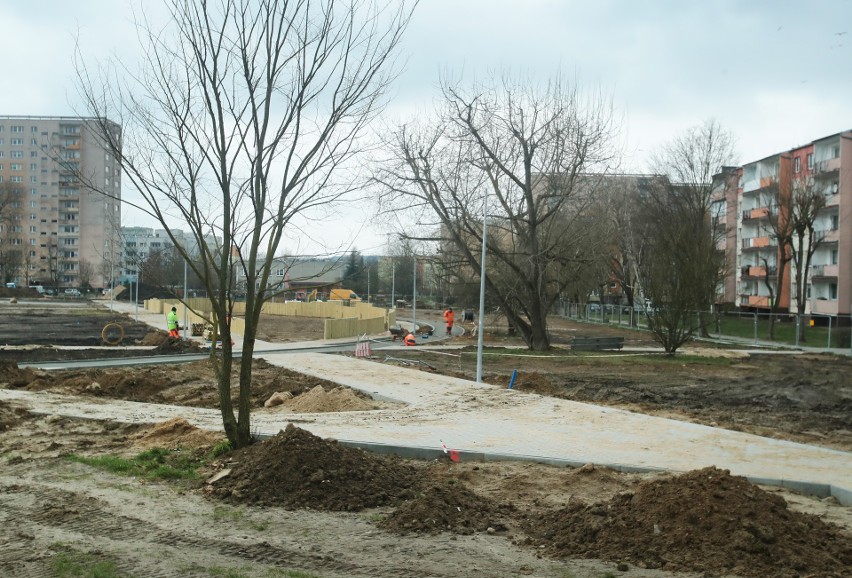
<point>11,230</point>
<point>774,215</point>
<point>85,274</point>
<point>56,262</point>
<point>241,119</point>
<point>525,149</point>
<point>684,266</point>
<point>630,232</point>
<point>807,200</point>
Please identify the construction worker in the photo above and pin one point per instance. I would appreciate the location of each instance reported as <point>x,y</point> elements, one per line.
<point>172,323</point>
<point>409,340</point>
<point>450,318</point>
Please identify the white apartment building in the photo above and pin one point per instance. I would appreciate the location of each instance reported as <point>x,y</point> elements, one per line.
<point>139,243</point>
<point>65,229</point>
<point>752,248</point>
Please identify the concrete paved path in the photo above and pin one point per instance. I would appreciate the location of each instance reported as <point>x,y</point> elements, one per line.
<point>483,421</point>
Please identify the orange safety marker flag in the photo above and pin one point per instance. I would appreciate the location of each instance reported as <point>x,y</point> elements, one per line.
<point>453,454</point>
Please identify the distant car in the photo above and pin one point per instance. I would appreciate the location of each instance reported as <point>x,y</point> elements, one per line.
<point>11,285</point>
<point>72,292</point>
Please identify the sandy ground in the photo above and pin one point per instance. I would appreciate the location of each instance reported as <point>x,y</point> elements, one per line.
<point>51,505</point>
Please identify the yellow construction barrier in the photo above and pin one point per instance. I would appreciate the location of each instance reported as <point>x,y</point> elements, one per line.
<point>342,319</point>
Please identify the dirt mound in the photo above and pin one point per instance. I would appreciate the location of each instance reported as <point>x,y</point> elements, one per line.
<point>171,345</point>
<point>154,338</point>
<point>296,469</point>
<point>176,433</point>
<point>705,520</point>
<point>13,376</point>
<point>319,400</point>
<point>447,508</point>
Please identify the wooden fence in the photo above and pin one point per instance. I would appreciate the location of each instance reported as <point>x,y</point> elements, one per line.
<point>341,319</point>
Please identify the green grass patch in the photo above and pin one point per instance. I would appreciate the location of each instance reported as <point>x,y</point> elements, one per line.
<point>156,463</point>
<point>82,565</point>
<point>220,449</point>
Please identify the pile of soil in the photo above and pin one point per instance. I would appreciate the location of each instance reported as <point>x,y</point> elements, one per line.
<point>704,520</point>
<point>176,433</point>
<point>319,400</point>
<point>13,376</point>
<point>171,345</point>
<point>448,508</point>
<point>191,384</point>
<point>296,469</point>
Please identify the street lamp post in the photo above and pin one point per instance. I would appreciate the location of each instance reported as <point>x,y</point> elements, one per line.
<point>184,297</point>
<point>481,333</point>
<point>414,299</point>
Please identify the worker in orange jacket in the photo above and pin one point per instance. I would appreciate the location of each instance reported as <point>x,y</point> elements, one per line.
<point>450,318</point>
<point>409,340</point>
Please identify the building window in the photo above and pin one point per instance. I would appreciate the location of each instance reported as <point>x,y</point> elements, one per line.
<point>33,166</point>
<point>833,257</point>
<point>33,129</point>
<point>16,167</point>
<point>16,154</point>
<point>17,129</point>
<point>797,165</point>
<point>832,291</point>
<point>835,222</point>
<point>17,179</point>
<point>810,161</point>
<point>16,141</point>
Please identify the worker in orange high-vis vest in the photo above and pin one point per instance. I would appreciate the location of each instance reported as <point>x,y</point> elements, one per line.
<point>450,318</point>
<point>172,323</point>
<point>409,340</point>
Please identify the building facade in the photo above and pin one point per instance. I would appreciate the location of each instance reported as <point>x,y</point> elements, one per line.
<point>67,196</point>
<point>755,219</point>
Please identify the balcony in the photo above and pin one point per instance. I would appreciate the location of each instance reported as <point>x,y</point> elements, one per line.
<point>758,271</point>
<point>823,271</point>
<point>756,242</point>
<point>759,213</point>
<point>824,306</point>
<point>827,236</point>
<point>754,301</point>
<point>832,199</point>
<point>827,166</point>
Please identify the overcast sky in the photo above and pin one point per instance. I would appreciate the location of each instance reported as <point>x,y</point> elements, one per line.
<point>777,73</point>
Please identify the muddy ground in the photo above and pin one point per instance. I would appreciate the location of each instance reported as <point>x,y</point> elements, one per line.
<point>298,502</point>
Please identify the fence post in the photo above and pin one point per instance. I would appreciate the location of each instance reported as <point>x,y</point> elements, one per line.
<point>755,327</point>
<point>829,332</point>
<point>798,327</point>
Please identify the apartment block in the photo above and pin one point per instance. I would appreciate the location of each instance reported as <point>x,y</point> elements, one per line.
<point>138,244</point>
<point>753,214</point>
<point>65,216</point>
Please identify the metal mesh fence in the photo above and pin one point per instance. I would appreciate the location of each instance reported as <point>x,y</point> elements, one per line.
<point>811,330</point>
